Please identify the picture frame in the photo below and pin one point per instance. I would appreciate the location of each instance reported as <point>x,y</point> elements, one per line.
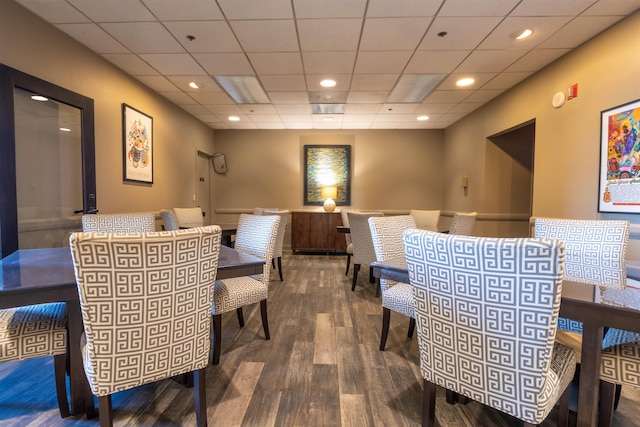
<point>137,141</point>
<point>327,165</point>
<point>619,190</point>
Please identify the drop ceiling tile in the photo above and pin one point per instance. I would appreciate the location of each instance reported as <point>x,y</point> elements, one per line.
<point>270,125</point>
<point>536,59</point>
<point>505,81</point>
<point>114,10</point>
<point>447,96</point>
<point>296,118</point>
<point>223,111</point>
<point>210,36</point>
<point>358,118</point>
<point>299,125</point>
<point>383,125</point>
<point>374,82</point>
<point>577,31</point>
<point>382,62</point>
<point>171,10</point>
<point>264,118</point>
<point>94,37</point>
<point>158,83</point>
<point>356,125</point>
<point>398,108</point>
<point>329,34</point>
<point>393,33</point>
<point>208,118</point>
<point>224,64</point>
<point>242,125</point>
<point>173,64</point>
<point>210,98</point>
<point>144,37</point>
<point>293,109</point>
<point>257,109</point>
<point>551,7</point>
<point>284,83</point>
<point>256,9</point>
<point>463,33</point>
<point>131,64</point>
<point>266,36</point>
<point>329,8</point>
<point>342,81</point>
<point>483,96</point>
<point>369,97</point>
<point>206,83</point>
<point>329,62</point>
<point>54,11</point>
<point>477,8</point>
<point>466,107</point>
<point>620,8</point>
<point>434,108</point>
<point>435,61</point>
<point>362,108</point>
<point>194,109</point>
<point>179,98</point>
<point>218,125</point>
<point>400,8</point>
<point>276,63</point>
<point>486,61</point>
<point>289,97</point>
<point>503,37</point>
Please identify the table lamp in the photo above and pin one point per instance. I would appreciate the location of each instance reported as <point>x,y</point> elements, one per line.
<point>329,192</point>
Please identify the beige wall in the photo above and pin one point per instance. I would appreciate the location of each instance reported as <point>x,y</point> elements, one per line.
<point>30,45</point>
<point>567,148</point>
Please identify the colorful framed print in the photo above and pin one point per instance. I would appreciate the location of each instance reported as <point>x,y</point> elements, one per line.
<point>327,166</point>
<point>137,139</point>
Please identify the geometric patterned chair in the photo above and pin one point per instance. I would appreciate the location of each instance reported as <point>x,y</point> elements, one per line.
<point>282,229</point>
<point>462,223</point>
<point>189,217</point>
<point>386,233</point>
<point>169,220</point>
<point>146,303</point>
<point>256,235</point>
<point>486,315</point>
<point>426,220</point>
<point>363,252</point>
<point>119,223</point>
<point>347,236</point>
<point>36,331</point>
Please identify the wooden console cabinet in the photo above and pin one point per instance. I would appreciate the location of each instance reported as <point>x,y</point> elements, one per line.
<point>316,232</point>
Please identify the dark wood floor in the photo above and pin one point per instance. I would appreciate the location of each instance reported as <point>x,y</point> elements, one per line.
<point>322,367</point>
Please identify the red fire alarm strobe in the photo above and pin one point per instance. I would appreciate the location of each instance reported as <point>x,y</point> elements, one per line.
<point>572,92</point>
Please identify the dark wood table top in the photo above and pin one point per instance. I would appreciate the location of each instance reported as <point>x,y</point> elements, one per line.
<point>579,302</point>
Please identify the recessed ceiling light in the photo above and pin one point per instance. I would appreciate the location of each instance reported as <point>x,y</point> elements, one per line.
<point>39,98</point>
<point>467,81</point>
<point>422,118</point>
<point>234,118</point>
<point>195,85</point>
<point>328,83</point>
<point>327,119</point>
<point>65,129</point>
<point>524,34</point>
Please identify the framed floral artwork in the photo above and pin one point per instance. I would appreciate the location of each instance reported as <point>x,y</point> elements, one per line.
<point>137,140</point>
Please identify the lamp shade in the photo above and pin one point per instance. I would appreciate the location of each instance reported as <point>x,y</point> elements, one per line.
<point>329,192</point>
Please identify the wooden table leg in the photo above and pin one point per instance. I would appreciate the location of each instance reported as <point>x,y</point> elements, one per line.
<point>588,395</point>
<point>77,379</point>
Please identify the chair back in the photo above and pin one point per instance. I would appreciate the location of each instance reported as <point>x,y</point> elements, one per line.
<point>486,313</point>
<point>363,252</point>
<point>189,217</point>
<point>345,223</point>
<point>595,250</point>
<point>169,220</point>
<point>462,223</point>
<point>386,235</point>
<point>146,304</point>
<point>282,229</point>
<point>119,223</point>
<point>260,211</point>
<point>426,220</point>
<point>256,235</point>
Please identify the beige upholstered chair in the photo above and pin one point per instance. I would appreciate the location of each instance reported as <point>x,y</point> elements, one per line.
<point>474,335</point>
<point>363,252</point>
<point>119,223</point>
<point>169,220</point>
<point>426,220</point>
<point>146,303</point>
<point>189,217</point>
<point>37,331</point>
<point>462,223</point>
<point>386,233</point>
<point>347,236</point>
<point>256,235</point>
<point>282,230</point>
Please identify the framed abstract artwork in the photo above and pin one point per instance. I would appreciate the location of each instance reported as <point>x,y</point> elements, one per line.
<point>620,159</point>
<point>327,166</point>
<point>137,140</point>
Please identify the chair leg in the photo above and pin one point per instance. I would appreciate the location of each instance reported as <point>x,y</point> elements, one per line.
<point>563,411</point>
<point>386,316</point>
<point>346,272</point>
<point>356,268</point>
<point>217,337</point>
<point>273,263</point>
<point>89,402</point>
<point>265,320</point>
<point>200,396</point>
<point>240,316</point>
<point>607,398</point>
<point>371,278</point>
<point>59,367</point>
<point>280,268</point>
<point>429,404</point>
<point>451,397</point>
<point>617,399</point>
<point>106,411</point>
<point>412,327</point>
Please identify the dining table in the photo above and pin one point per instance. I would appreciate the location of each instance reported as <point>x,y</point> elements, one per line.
<point>578,302</point>
<point>37,276</point>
